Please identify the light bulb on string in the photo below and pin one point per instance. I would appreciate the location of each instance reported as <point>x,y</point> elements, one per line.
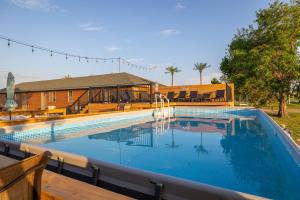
<point>51,53</point>
<point>32,49</point>
<point>79,58</point>
<point>66,56</point>
<point>8,42</point>
<point>87,59</point>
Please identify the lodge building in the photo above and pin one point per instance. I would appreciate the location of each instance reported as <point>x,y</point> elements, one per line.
<point>75,93</point>
<point>106,92</point>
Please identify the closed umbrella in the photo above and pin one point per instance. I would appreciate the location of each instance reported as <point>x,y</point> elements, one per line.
<point>10,104</point>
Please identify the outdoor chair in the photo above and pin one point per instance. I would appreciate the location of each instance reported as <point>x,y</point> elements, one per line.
<point>130,96</point>
<point>22,180</point>
<point>123,98</point>
<point>181,96</point>
<point>170,96</point>
<point>145,97</point>
<point>205,97</point>
<point>220,95</point>
<point>193,96</point>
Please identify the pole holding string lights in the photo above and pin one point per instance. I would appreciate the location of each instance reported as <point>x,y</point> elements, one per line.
<point>67,55</point>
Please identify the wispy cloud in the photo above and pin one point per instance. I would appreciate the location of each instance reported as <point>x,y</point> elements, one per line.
<point>136,60</point>
<point>159,66</point>
<point>168,32</point>
<point>180,6</point>
<point>37,4</point>
<point>113,48</point>
<point>90,27</point>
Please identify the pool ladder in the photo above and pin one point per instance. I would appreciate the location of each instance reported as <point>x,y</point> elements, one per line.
<point>161,112</point>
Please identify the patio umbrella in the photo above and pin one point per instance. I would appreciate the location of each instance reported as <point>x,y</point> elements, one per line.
<point>10,104</point>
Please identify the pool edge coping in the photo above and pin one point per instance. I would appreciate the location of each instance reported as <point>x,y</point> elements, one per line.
<point>286,136</point>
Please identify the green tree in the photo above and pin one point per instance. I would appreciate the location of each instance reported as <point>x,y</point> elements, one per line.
<point>215,81</point>
<point>263,62</point>
<point>200,67</point>
<point>172,70</point>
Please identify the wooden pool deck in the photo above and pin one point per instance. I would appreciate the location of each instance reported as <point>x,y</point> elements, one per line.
<point>98,109</point>
<point>58,187</point>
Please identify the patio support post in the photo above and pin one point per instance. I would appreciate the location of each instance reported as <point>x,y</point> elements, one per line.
<point>90,94</point>
<point>226,95</point>
<point>118,94</point>
<point>151,94</point>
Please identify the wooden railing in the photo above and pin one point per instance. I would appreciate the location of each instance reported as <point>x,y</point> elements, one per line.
<point>77,105</point>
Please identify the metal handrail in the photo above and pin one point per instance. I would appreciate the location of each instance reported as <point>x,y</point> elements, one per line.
<point>168,101</point>
<point>162,105</point>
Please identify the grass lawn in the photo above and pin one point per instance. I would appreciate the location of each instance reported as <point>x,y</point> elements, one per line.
<point>292,122</point>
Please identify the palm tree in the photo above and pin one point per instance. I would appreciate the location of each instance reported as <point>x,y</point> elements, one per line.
<point>172,70</point>
<point>200,67</point>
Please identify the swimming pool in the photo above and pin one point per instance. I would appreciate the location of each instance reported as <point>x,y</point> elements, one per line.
<point>238,149</point>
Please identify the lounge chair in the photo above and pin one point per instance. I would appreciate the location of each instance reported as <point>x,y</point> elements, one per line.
<point>220,95</point>
<point>22,180</point>
<point>205,97</point>
<point>182,96</point>
<point>145,97</point>
<point>193,95</point>
<point>170,96</point>
<point>130,96</point>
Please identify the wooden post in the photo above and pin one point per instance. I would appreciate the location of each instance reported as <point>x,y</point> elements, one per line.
<point>151,94</point>
<point>118,94</point>
<point>90,94</point>
<point>226,95</point>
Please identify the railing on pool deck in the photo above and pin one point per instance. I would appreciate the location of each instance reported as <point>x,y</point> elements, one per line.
<point>160,112</point>
<point>157,185</point>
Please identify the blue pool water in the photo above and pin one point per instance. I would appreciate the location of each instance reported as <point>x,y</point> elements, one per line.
<point>240,151</point>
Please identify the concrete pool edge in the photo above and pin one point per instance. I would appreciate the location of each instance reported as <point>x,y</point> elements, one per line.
<point>143,181</point>
<point>286,137</point>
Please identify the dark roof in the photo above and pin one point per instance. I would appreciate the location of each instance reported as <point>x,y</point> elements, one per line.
<point>104,80</point>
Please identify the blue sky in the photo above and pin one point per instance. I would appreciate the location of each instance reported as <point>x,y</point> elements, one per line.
<point>149,33</point>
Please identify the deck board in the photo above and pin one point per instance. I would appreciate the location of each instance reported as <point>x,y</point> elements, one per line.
<point>57,187</point>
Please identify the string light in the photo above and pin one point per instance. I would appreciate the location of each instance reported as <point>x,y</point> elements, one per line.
<point>67,55</point>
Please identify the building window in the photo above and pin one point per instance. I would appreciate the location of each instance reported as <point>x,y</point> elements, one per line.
<point>52,96</point>
<point>70,96</point>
